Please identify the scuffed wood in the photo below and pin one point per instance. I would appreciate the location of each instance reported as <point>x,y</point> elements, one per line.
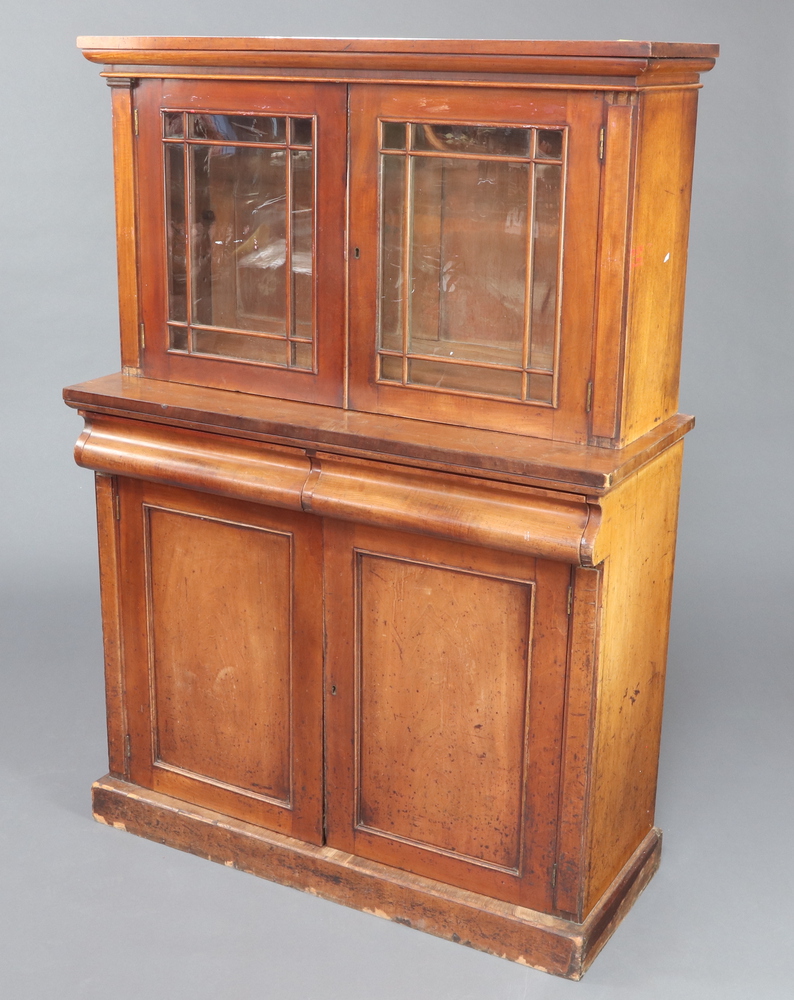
<point>529,937</point>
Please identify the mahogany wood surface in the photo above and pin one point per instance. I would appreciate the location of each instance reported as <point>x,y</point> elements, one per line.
<point>401,645</point>
<point>636,546</point>
<point>492,454</point>
<point>530,937</point>
<point>124,168</point>
<point>615,60</point>
<point>327,103</point>
<point>222,615</point>
<point>446,662</point>
<point>603,49</point>
<point>581,113</point>
<point>110,581</point>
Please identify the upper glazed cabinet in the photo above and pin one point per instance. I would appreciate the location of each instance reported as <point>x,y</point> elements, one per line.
<point>509,255</point>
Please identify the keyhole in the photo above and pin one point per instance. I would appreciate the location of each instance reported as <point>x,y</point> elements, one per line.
<point>333,689</point>
<point>356,253</point>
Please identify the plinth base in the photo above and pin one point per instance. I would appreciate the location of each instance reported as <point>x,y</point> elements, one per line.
<point>544,942</point>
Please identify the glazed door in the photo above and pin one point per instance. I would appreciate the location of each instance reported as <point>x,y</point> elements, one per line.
<point>473,232</point>
<point>221,610</point>
<point>444,700</point>
<point>241,192</point>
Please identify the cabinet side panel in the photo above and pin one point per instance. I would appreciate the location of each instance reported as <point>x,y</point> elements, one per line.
<point>220,611</point>
<point>638,535</point>
<point>657,265</point>
<point>111,626</point>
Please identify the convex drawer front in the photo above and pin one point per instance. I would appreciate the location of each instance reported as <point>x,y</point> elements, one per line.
<point>222,641</point>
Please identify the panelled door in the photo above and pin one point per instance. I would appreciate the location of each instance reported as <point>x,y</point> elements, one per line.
<point>221,613</point>
<point>444,700</point>
<point>473,237</point>
<point>241,191</point>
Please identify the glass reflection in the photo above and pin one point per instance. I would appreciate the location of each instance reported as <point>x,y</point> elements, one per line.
<point>237,128</point>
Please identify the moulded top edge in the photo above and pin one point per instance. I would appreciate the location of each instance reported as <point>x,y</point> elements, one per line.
<point>558,465</point>
<point>97,47</point>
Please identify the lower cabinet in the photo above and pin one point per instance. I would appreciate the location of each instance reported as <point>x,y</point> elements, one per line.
<point>432,741</point>
<point>458,733</point>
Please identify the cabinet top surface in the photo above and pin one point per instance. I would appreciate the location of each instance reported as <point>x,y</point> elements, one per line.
<point>457,46</point>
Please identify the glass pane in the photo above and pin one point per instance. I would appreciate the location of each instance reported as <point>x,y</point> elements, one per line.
<point>302,131</point>
<point>177,338</point>
<point>175,230</point>
<point>550,144</point>
<point>238,237</point>
<point>391,243</point>
<point>173,125</point>
<point>539,388</point>
<point>469,258</point>
<point>240,346</point>
<point>391,369</point>
<point>548,191</point>
<point>302,356</point>
<point>392,135</point>
<point>463,378</point>
<point>237,128</point>
<point>302,229</point>
<point>472,139</point>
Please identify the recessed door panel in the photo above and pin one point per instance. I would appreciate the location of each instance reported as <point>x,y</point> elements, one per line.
<point>444,698</point>
<point>442,676</point>
<point>222,619</point>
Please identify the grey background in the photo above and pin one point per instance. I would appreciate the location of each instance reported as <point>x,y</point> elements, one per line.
<point>86,911</point>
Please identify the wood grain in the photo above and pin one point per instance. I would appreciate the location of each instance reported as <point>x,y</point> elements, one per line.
<point>112,631</point>
<point>612,265</point>
<point>657,266</point>
<point>442,690</point>
<point>485,454</point>
<point>637,546</point>
<point>431,503</point>
<point>170,455</point>
<point>125,173</point>
<point>577,744</point>
<point>327,103</point>
<point>527,936</point>
<point>221,611</point>
<point>411,649</point>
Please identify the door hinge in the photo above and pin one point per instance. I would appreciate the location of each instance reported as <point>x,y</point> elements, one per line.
<point>117,512</point>
<point>570,599</point>
<point>135,121</point>
<point>589,399</point>
<point>142,332</point>
<point>127,753</point>
<point>601,142</point>
<point>554,875</point>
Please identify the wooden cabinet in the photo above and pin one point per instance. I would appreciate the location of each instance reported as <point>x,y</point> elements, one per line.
<point>388,484</point>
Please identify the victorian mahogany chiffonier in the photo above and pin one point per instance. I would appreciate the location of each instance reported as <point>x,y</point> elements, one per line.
<point>388,482</point>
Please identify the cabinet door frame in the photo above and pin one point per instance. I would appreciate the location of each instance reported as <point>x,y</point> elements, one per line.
<point>326,103</point>
<point>532,884</point>
<point>300,815</point>
<point>581,114</point>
